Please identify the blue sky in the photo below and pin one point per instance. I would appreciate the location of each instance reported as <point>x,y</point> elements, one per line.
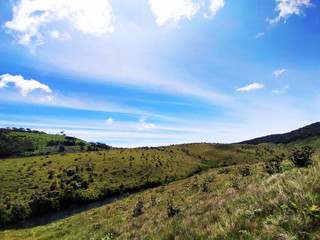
<point>158,72</point>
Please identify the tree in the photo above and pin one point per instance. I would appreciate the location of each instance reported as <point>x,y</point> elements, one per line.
<point>302,158</point>
<point>61,149</point>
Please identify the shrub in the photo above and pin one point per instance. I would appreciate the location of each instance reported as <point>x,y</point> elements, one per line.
<point>61,149</point>
<point>51,173</point>
<point>153,200</point>
<point>138,208</point>
<point>224,171</point>
<point>171,209</point>
<point>274,165</point>
<point>235,183</point>
<point>302,158</point>
<point>204,185</point>
<point>245,170</point>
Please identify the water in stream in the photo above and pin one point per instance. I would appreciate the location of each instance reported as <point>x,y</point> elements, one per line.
<point>64,213</point>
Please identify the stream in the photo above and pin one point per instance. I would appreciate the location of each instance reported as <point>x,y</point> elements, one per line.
<point>50,217</point>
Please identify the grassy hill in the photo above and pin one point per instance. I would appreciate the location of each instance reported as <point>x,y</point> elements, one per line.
<point>22,142</point>
<point>217,204</point>
<point>37,184</point>
<point>32,185</point>
<point>310,132</point>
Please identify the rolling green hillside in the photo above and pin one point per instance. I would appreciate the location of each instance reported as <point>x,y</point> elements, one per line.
<point>22,142</point>
<point>311,131</point>
<point>32,185</point>
<point>218,204</point>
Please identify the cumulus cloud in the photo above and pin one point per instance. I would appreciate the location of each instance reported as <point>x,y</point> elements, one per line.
<point>286,8</point>
<point>283,90</point>
<point>31,16</point>
<point>215,6</point>
<point>109,121</point>
<point>25,86</point>
<point>173,9</point>
<point>259,35</point>
<point>251,87</point>
<point>144,125</point>
<point>279,72</point>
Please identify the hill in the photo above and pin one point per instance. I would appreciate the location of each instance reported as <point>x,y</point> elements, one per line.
<point>20,142</point>
<point>311,131</point>
<point>218,204</point>
<point>33,185</point>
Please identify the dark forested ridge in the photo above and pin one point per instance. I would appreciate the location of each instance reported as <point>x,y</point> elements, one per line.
<point>312,130</point>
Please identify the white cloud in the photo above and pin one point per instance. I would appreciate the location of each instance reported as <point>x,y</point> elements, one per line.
<point>25,86</point>
<point>279,72</point>
<point>215,6</point>
<point>259,35</point>
<point>251,87</point>
<point>277,91</point>
<point>47,98</point>
<point>109,121</point>
<point>144,125</point>
<point>173,9</point>
<point>287,8</point>
<point>30,16</point>
<point>56,35</point>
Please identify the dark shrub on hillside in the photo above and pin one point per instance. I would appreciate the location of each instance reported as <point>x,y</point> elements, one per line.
<point>61,149</point>
<point>273,165</point>
<point>51,173</point>
<point>19,212</point>
<point>302,158</point>
<point>224,171</point>
<point>85,184</point>
<point>53,143</point>
<point>171,209</point>
<point>40,203</point>
<point>70,172</point>
<point>204,185</point>
<point>138,208</point>
<point>245,170</point>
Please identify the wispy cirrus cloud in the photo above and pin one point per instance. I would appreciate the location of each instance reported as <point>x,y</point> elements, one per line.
<point>279,72</point>
<point>30,16</point>
<point>25,86</point>
<point>286,8</point>
<point>259,35</point>
<point>251,87</point>
<point>281,91</point>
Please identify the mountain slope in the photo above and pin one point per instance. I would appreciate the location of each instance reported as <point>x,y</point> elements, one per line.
<point>218,204</point>
<point>310,131</point>
<point>20,142</point>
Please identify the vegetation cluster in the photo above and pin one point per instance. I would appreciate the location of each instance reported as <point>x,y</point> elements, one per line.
<point>200,191</point>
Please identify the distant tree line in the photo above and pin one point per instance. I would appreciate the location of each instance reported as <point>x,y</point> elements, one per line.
<point>13,145</point>
<point>97,146</point>
<point>14,129</point>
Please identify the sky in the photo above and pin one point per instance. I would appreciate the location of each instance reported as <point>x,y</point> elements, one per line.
<point>160,72</point>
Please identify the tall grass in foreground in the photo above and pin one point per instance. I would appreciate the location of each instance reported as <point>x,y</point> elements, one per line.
<point>256,206</point>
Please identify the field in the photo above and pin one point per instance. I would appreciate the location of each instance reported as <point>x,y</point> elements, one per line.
<point>188,191</point>
<point>32,185</point>
<point>218,204</point>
